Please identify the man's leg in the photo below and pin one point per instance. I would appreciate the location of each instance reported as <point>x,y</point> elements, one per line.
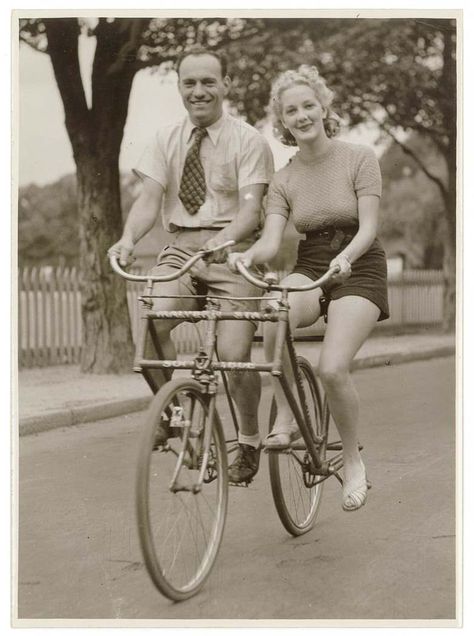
<point>166,297</point>
<point>235,345</point>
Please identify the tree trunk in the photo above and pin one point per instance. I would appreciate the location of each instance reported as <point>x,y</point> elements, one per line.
<point>96,135</point>
<point>449,84</point>
<point>449,299</point>
<point>106,335</point>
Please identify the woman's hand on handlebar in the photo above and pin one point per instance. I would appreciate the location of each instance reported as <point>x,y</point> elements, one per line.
<point>242,257</point>
<point>345,269</point>
<point>122,250</point>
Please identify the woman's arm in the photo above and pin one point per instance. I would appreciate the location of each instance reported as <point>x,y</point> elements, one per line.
<point>368,207</point>
<point>267,245</point>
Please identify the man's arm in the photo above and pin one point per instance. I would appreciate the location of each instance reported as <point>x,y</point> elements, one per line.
<point>141,219</point>
<point>245,222</point>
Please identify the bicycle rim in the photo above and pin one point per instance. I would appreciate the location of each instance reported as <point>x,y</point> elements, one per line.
<point>180,532</point>
<point>296,502</point>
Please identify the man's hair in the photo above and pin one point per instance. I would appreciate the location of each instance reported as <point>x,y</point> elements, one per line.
<point>197,49</point>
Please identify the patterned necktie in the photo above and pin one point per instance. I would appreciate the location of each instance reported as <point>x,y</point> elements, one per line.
<point>192,190</point>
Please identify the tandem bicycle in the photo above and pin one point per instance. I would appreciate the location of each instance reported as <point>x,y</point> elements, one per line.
<point>182,484</point>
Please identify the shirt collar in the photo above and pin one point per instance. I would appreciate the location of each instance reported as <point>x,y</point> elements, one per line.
<point>213,130</point>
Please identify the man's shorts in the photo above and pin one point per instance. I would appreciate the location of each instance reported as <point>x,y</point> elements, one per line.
<point>215,279</point>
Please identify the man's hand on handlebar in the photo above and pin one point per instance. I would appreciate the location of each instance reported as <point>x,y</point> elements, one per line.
<point>219,256</point>
<point>122,250</point>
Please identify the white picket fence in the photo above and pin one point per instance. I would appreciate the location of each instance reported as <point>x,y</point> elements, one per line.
<point>49,312</point>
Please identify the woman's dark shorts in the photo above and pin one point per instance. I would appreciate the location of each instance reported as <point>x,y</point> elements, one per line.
<point>369,272</point>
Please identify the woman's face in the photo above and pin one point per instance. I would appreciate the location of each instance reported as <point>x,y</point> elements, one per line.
<point>302,113</point>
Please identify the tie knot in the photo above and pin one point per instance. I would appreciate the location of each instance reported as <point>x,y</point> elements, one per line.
<point>198,134</point>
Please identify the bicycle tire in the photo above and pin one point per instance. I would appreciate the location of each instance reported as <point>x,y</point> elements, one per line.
<point>296,503</point>
<point>180,532</point>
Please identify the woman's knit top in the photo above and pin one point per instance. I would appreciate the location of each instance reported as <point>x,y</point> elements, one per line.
<point>325,191</point>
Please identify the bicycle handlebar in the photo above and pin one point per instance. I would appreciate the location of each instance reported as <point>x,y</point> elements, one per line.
<point>143,278</point>
<point>259,282</point>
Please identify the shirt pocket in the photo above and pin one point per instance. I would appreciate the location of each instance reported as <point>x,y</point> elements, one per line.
<point>224,177</point>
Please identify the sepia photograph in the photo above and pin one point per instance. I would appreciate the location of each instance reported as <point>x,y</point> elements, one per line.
<point>236,321</point>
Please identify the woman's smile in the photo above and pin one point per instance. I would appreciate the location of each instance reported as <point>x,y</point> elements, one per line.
<point>302,112</point>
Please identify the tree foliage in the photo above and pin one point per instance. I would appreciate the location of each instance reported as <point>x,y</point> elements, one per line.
<point>412,207</point>
<point>48,223</point>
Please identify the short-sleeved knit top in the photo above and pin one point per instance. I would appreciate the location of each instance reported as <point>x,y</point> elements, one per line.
<point>325,191</point>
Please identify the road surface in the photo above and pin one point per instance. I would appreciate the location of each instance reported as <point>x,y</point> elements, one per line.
<point>79,556</point>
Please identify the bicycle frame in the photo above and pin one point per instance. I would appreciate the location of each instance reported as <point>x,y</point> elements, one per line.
<point>203,366</point>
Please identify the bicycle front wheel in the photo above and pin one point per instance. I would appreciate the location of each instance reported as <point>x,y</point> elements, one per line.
<point>297,493</point>
<point>180,526</point>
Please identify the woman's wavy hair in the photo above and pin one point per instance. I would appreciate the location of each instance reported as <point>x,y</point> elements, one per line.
<point>308,76</point>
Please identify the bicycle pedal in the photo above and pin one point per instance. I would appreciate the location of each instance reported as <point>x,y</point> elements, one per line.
<point>283,449</point>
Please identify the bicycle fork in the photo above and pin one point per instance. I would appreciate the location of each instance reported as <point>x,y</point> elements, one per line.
<point>200,457</point>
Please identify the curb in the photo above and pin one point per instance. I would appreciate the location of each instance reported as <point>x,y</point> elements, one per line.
<point>59,418</point>
<point>71,416</point>
<point>402,357</point>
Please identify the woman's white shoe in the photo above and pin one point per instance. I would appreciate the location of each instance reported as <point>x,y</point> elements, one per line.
<point>282,435</point>
<point>356,497</point>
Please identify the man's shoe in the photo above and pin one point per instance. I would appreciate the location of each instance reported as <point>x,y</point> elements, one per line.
<point>163,431</point>
<point>161,434</point>
<point>245,465</point>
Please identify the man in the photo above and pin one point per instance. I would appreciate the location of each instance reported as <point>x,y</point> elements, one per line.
<point>208,174</point>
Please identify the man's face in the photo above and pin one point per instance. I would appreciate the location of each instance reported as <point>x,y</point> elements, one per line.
<point>202,88</point>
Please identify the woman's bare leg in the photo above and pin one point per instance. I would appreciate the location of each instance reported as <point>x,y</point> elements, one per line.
<point>350,321</point>
<point>304,311</point>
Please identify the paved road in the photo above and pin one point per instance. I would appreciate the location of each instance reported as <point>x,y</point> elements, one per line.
<point>394,559</point>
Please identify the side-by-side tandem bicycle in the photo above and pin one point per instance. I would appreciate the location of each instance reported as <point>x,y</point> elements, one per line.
<point>182,485</point>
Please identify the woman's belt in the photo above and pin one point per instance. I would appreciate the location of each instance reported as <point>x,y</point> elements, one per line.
<point>335,234</point>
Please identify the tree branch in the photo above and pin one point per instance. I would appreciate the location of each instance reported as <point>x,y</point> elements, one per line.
<point>386,128</point>
<point>63,34</point>
<point>128,52</point>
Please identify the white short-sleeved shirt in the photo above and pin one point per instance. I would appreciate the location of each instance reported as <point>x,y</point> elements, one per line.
<point>233,155</point>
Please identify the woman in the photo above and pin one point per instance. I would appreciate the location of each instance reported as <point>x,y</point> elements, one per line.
<point>331,189</point>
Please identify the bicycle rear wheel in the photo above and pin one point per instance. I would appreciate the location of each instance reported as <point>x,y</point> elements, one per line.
<point>297,493</point>
<point>180,529</point>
